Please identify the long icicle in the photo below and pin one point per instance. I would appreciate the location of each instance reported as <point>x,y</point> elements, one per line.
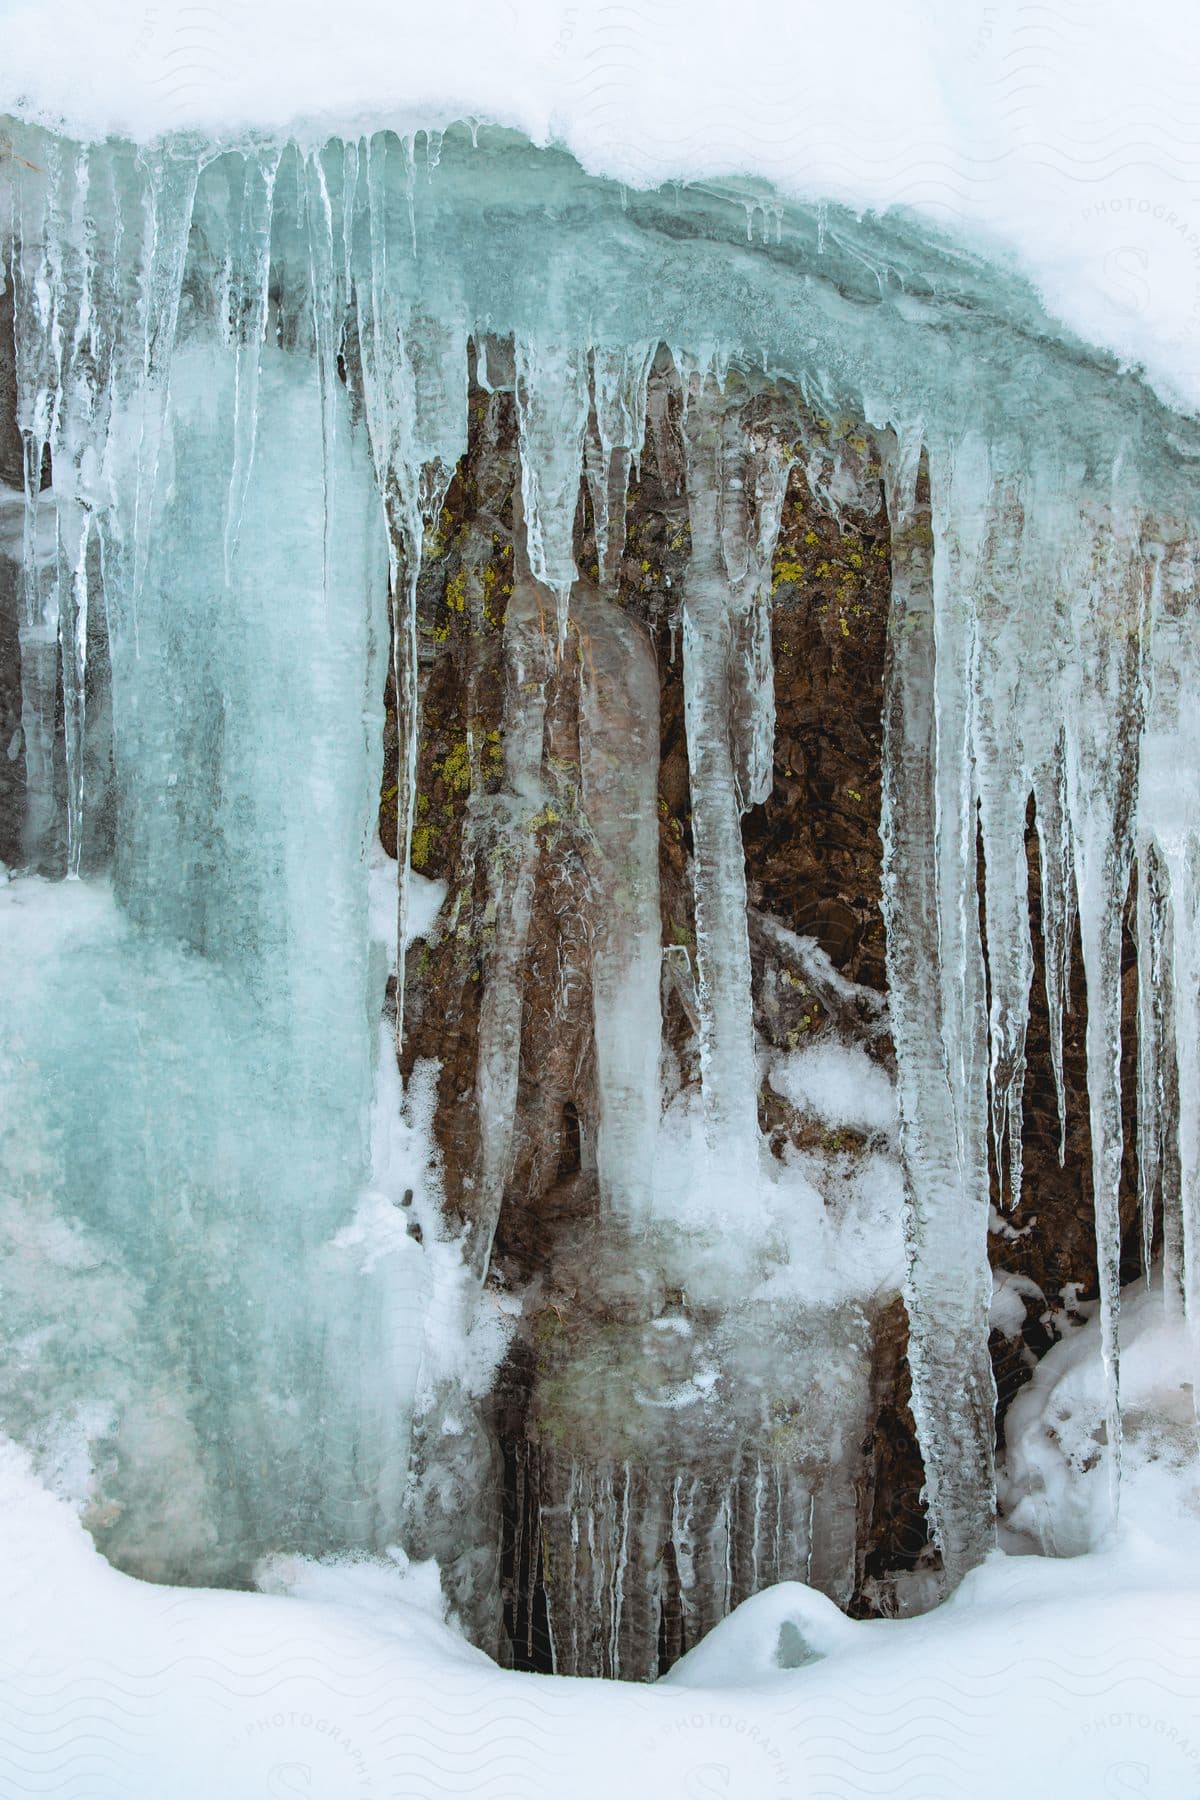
<point>414,368</point>
<point>935,980</point>
<point>249,328</point>
<point>1103,728</point>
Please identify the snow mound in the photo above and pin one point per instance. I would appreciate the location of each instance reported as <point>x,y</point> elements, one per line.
<point>839,1085</point>
<point>782,1629</point>
<point>1056,1487</point>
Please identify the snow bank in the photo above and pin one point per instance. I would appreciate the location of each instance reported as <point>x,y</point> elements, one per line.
<point>1060,136</point>
<point>1039,1678</point>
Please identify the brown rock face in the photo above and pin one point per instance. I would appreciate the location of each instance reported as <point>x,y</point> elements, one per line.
<point>812,850</point>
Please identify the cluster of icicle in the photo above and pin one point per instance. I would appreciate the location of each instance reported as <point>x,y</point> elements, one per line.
<point>635,1566</point>
<point>1043,644</point>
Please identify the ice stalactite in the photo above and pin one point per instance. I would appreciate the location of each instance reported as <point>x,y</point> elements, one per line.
<point>245,323</point>
<point>98,275</point>
<point>552,414</point>
<point>1058,912</point>
<point>1003,776</point>
<point>619,714</point>
<point>414,369</point>
<point>153,267</point>
<point>38,337</point>
<point>1107,578</point>
<point>512,854</point>
<point>78,424</point>
<point>729,718</point>
<point>935,978</point>
<point>1168,917</point>
<point>1017,747</point>
<point>652,1532</point>
<point>1055,678</point>
<point>619,755</point>
<point>51,319</point>
<point>644,1560</point>
<point>1155,1088</point>
<point>620,378</point>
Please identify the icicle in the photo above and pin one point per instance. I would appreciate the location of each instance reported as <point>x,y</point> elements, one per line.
<point>749,555</point>
<point>1024,631</point>
<point>350,161</point>
<point>1168,850</point>
<point>1103,726</point>
<point>729,1073</point>
<point>79,416</point>
<point>619,383</point>
<point>1014,698</point>
<point>935,976</point>
<point>66,327</point>
<point>1004,780</point>
<point>328,304</point>
<point>74,525</point>
<point>249,321</point>
<point>414,369</point>
<point>620,1562</point>
<point>1154,1023</point>
<point>552,413</point>
<point>39,296</point>
<point>619,760</point>
<point>170,194</point>
<point>1058,915</point>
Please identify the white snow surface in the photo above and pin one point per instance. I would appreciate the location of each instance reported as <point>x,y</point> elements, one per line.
<point>1039,1677</point>
<point>1062,138</point>
<point>1068,1676</point>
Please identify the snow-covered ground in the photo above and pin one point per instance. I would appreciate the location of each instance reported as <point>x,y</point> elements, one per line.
<point>1064,136</point>
<point>1073,1677</point>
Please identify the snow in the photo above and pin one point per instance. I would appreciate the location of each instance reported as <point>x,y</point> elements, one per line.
<point>1011,1296</point>
<point>1055,1490</point>
<point>425,901</point>
<point>839,1085</point>
<point>345,1679</point>
<point>1060,137</point>
<point>819,1226</point>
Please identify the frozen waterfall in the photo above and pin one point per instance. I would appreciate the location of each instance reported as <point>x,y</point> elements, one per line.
<point>291,418</point>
